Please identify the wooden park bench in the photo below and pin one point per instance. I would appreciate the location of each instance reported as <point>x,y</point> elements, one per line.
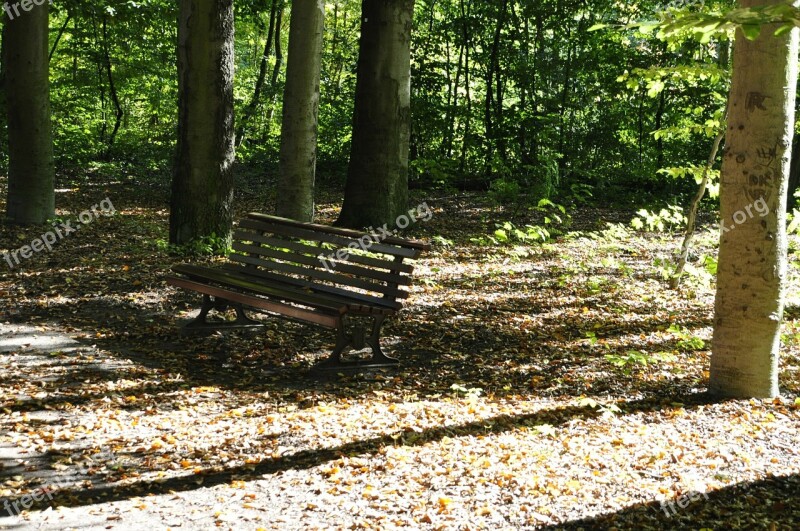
<point>335,278</point>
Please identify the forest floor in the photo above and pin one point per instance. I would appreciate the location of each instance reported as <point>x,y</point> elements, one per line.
<point>556,386</point>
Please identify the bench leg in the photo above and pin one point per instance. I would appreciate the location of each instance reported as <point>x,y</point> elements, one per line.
<point>346,342</point>
<point>200,323</point>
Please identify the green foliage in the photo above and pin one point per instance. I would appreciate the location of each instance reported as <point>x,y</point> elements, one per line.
<point>471,394</point>
<point>636,358</point>
<point>441,241</point>
<point>696,172</point>
<point>686,340</point>
<point>212,245</point>
<point>517,98</point>
<point>610,409</point>
<point>706,24</point>
<point>666,220</point>
<point>554,220</point>
<point>505,191</point>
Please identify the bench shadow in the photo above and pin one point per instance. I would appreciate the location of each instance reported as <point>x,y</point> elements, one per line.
<point>496,356</point>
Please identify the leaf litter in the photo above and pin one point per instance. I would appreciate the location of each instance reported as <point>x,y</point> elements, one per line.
<point>541,386</point>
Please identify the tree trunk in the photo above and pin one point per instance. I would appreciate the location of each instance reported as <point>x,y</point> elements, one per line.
<point>112,88</point>
<point>250,110</point>
<point>752,257</point>
<point>298,155</point>
<point>202,187</point>
<point>377,177</point>
<point>276,70</point>
<point>794,176</point>
<point>31,171</point>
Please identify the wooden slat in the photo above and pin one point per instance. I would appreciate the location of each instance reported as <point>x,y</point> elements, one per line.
<point>315,287</point>
<point>308,233</point>
<point>313,261</point>
<point>347,233</point>
<point>334,278</point>
<point>228,279</point>
<point>391,265</point>
<point>290,291</point>
<point>293,312</point>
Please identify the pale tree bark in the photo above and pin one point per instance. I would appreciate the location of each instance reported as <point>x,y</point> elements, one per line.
<point>202,186</point>
<point>31,171</point>
<point>752,258</point>
<point>298,156</point>
<point>377,177</point>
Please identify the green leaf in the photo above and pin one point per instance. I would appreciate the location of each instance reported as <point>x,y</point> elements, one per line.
<point>750,31</point>
<point>598,27</point>
<point>588,402</point>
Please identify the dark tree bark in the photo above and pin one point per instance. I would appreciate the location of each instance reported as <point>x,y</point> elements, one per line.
<point>202,186</point>
<point>276,70</point>
<point>377,177</point>
<point>298,156</point>
<point>112,88</point>
<point>31,172</point>
<point>250,110</point>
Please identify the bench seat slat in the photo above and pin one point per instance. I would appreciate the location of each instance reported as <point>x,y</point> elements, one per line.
<point>318,317</point>
<point>251,284</point>
<point>299,291</point>
<point>322,275</point>
<point>316,288</point>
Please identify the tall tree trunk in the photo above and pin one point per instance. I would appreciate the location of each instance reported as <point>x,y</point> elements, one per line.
<point>250,110</point>
<point>276,70</point>
<point>794,176</point>
<point>493,102</point>
<point>377,177</point>
<point>466,12</point>
<point>58,36</point>
<point>202,187</point>
<point>752,256</point>
<point>31,171</point>
<point>298,156</point>
<point>112,88</point>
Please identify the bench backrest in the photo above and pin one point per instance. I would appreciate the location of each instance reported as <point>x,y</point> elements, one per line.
<point>370,268</point>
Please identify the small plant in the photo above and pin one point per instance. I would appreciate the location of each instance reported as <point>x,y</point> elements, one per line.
<point>702,272</point>
<point>686,340</point>
<point>667,220</point>
<point>580,193</point>
<point>610,409</point>
<point>505,191</point>
<point>591,337</point>
<point>634,358</point>
<point>442,241</point>
<point>507,233</point>
<point>665,268</point>
<point>470,394</point>
<point>212,245</point>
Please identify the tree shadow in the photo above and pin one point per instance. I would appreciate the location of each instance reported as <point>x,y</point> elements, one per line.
<point>306,459</point>
<point>769,503</point>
